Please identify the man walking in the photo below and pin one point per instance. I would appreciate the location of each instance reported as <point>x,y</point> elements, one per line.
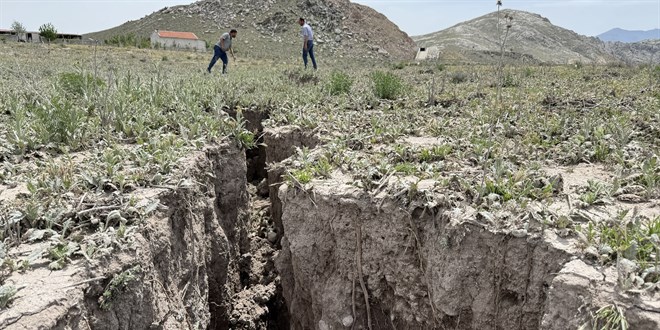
<point>308,42</point>
<point>220,51</point>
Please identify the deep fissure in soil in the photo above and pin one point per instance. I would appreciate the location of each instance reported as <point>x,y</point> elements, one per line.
<point>256,263</point>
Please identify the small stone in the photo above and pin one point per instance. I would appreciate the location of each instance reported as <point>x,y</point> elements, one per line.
<point>605,249</point>
<point>272,237</point>
<point>114,215</point>
<point>347,321</point>
<point>650,271</point>
<point>631,198</point>
<point>520,233</point>
<point>591,253</point>
<point>627,267</point>
<point>494,197</point>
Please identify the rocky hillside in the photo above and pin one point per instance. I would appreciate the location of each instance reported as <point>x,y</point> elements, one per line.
<point>531,36</point>
<point>269,28</point>
<point>622,35</point>
<point>643,52</point>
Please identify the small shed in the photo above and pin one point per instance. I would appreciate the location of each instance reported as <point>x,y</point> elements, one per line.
<point>427,53</point>
<point>174,39</point>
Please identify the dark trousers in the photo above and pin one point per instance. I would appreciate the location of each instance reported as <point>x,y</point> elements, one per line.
<point>218,53</point>
<point>310,50</point>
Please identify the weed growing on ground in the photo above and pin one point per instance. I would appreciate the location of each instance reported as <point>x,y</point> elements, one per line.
<point>7,293</point>
<point>340,83</point>
<point>387,85</point>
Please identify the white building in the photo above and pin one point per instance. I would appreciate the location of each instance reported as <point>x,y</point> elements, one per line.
<point>173,39</point>
<point>428,53</point>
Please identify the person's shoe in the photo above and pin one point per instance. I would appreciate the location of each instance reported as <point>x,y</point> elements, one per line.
<point>208,70</point>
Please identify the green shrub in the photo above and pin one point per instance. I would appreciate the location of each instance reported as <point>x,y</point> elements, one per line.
<point>340,83</point>
<point>387,85</point>
<point>78,84</point>
<point>440,67</point>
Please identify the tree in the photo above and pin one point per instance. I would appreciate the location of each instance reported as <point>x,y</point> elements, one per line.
<point>48,32</point>
<point>18,28</point>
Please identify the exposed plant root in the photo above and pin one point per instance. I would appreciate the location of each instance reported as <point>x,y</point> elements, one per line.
<point>358,259</point>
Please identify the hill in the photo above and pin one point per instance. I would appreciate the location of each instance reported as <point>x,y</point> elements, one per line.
<point>531,37</point>
<point>269,29</point>
<point>622,35</point>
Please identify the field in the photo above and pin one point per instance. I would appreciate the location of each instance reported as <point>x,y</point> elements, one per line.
<point>566,154</point>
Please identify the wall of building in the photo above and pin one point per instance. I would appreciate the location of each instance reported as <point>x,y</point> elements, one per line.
<point>428,53</point>
<point>196,45</point>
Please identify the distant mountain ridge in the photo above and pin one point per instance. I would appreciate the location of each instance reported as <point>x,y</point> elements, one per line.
<point>532,38</point>
<point>269,29</point>
<point>622,35</point>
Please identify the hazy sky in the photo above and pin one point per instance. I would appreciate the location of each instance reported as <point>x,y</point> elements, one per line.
<point>588,17</point>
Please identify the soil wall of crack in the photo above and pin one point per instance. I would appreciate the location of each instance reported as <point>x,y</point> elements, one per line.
<point>184,262</point>
<point>419,270</point>
<point>281,144</point>
<point>255,157</point>
<point>353,261</point>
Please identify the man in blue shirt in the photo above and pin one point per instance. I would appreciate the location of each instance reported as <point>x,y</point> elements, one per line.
<point>308,42</point>
<point>220,51</point>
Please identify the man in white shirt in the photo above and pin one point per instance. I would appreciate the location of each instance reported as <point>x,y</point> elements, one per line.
<point>220,50</point>
<point>308,42</point>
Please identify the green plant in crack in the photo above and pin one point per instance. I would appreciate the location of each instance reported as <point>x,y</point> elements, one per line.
<point>244,138</point>
<point>610,317</point>
<point>117,285</point>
